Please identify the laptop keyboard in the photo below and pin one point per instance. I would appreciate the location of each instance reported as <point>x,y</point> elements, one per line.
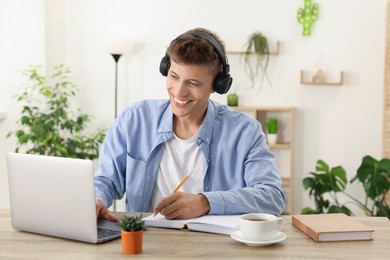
<point>102,233</point>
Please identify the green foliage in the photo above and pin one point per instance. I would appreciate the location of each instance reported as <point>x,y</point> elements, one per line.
<point>132,223</point>
<point>47,125</point>
<point>307,16</point>
<point>232,99</point>
<point>272,125</point>
<point>374,176</point>
<point>256,56</point>
<point>326,181</point>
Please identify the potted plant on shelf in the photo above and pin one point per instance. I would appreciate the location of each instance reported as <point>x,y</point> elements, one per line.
<point>233,97</point>
<point>233,100</point>
<point>132,234</point>
<point>256,57</point>
<point>272,126</point>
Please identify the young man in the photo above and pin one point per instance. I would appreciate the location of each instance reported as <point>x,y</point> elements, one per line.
<point>154,144</point>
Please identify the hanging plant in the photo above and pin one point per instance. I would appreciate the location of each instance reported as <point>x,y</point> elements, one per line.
<point>256,57</point>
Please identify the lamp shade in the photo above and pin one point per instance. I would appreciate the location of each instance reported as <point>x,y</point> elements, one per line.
<point>116,45</point>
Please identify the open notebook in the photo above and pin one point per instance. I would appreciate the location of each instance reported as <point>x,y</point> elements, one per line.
<point>218,224</point>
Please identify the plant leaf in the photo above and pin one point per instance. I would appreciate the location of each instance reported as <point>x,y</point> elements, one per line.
<point>321,166</point>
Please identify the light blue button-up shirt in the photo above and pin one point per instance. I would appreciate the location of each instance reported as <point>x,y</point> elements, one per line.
<point>240,172</point>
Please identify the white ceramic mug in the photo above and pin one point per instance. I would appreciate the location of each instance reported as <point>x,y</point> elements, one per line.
<point>260,226</point>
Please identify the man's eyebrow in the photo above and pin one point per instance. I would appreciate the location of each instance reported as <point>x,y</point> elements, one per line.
<point>171,71</point>
<point>192,79</point>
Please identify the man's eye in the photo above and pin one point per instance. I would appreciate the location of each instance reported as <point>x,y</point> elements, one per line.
<point>195,84</point>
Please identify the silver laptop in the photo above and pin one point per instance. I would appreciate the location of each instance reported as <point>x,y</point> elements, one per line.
<point>55,196</point>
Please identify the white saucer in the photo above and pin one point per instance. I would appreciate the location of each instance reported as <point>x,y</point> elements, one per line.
<point>237,235</point>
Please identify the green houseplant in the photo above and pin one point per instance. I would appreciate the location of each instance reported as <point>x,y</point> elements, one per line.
<point>47,124</point>
<point>256,57</point>
<point>232,100</point>
<point>328,182</point>
<point>132,234</point>
<point>272,126</point>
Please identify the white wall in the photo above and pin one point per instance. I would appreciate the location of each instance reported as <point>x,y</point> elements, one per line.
<point>337,124</point>
<point>22,43</point>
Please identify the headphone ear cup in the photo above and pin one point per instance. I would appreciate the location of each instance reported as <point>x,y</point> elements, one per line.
<point>222,83</point>
<point>165,64</point>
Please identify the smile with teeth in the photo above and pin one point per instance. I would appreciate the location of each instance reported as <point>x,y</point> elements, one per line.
<point>181,102</point>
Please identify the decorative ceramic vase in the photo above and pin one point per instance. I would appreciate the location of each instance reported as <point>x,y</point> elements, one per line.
<point>132,242</point>
<point>272,138</point>
<point>232,100</point>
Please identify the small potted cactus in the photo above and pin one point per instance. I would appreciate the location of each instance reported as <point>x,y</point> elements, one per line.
<point>132,234</point>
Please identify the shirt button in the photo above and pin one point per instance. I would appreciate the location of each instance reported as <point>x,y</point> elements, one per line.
<point>207,188</point>
<point>207,139</point>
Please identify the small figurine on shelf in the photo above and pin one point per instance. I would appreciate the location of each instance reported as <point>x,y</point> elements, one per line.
<point>319,77</point>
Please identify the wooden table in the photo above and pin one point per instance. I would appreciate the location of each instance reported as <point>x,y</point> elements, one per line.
<point>169,243</point>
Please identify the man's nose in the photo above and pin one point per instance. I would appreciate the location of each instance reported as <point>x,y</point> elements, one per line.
<point>181,89</point>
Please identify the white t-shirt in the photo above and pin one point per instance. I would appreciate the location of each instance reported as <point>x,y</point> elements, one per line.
<point>179,157</point>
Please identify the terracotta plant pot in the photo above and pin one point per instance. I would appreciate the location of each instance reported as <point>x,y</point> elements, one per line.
<point>132,242</point>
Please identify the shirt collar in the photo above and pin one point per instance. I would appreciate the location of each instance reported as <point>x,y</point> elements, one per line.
<point>166,120</point>
<point>206,128</point>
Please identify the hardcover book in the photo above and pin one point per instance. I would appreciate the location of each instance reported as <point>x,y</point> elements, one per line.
<point>332,227</point>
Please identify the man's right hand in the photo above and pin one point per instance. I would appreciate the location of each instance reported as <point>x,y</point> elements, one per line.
<point>104,213</point>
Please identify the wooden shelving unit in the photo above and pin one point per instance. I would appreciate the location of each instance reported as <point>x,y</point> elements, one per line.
<point>284,148</point>
<point>304,81</point>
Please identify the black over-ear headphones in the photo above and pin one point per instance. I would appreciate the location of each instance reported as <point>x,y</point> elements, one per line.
<point>223,80</point>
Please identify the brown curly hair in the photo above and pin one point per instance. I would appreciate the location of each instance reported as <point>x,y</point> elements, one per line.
<point>192,50</point>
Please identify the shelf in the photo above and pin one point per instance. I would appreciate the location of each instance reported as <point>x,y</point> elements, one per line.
<point>273,52</point>
<point>254,108</point>
<point>280,145</point>
<point>3,115</point>
<point>339,83</point>
<point>286,182</point>
<point>284,149</point>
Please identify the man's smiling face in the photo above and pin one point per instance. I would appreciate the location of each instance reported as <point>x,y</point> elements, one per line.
<point>189,88</point>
